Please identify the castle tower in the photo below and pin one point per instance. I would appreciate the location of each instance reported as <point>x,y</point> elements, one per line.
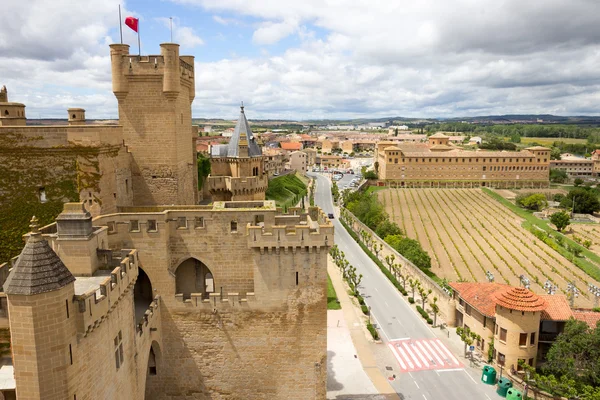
<point>76,116</point>
<point>11,114</point>
<point>40,292</point>
<point>155,94</point>
<point>237,168</point>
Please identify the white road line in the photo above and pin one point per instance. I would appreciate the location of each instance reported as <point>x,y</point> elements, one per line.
<point>411,375</point>
<point>416,384</point>
<point>386,304</point>
<point>469,375</point>
<point>409,351</point>
<point>405,357</point>
<point>404,338</point>
<point>421,356</point>
<point>400,361</point>
<point>428,355</point>
<point>488,397</point>
<point>424,397</point>
<point>375,287</point>
<point>435,354</point>
<point>439,342</point>
<point>450,370</point>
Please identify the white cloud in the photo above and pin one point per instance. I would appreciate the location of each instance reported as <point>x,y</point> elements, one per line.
<point>273,32</point>
<point>184,35</point>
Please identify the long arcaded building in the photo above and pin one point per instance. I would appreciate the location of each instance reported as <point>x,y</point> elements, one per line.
<point>439,164</point>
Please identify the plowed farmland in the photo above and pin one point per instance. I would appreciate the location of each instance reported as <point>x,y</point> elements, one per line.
<point>467,233</point>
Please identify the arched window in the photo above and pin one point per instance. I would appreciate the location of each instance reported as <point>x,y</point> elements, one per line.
<point>73,116</point>
<point>5,112</point>
<point>192,276</point>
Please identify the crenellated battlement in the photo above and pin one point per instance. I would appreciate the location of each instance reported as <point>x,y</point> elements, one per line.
<point>150,318</point>
<point>172,69</point>
<point>96,304</point>
<point>238,185</point>
<point>300,230</point>
<point>218,301</point>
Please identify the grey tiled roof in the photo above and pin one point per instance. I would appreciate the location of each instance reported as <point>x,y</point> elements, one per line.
<point>242,127</point>
<point>38,269</point>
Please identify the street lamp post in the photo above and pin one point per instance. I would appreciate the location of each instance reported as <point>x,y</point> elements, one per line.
<point>595,291</point>
<point>525,281</point>
<point>572,292</point>
<point>550,287</point>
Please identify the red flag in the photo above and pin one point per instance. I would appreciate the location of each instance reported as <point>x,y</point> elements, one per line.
<point>132,23</point>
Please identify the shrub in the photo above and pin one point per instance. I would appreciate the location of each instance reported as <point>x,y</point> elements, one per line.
<point>365,310</point>
<point>411,300</point>
<point>373,331</point>
<point>429,321</point>
<point>361,301</point>
<point>558,197</point>
<point>534,202</point>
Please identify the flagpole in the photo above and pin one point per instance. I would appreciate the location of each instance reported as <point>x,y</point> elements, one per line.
<point>120,24</point>
<point>139,46</point>
<point>171,23</point>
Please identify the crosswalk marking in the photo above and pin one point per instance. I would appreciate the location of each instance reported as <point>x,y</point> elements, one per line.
<point>423,354</point>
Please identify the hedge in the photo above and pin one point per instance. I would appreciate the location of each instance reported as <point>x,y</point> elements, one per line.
<point>373,331</point>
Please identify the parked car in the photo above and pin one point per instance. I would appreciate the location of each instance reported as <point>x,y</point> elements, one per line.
<point>330,216</point>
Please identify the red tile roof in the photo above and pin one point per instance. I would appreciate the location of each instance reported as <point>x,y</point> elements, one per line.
<point>589,317</point>
<point>520,299</point>
<point>558,308</point>
<point>480,296</point>
<point>291,145</point>
<point>485,296</point>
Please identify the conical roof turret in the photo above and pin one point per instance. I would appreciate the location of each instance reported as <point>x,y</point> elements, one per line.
<point>242,136</point>
<point>38,269</point>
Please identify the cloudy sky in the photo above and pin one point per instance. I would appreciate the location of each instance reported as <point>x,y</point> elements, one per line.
<point>306,59</point>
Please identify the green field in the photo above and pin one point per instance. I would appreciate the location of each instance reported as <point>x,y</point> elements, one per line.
<point>549,141</point>
<point>286,190</point>
<point>332,300</point>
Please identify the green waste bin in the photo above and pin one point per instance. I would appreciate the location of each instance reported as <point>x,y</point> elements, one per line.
<point>514,394</point>
<point>503,385</point>
<point>488,376</point>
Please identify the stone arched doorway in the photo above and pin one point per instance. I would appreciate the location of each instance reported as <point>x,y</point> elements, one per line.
<point>193,276</point>
<point>142,294</point>
<point>153,371</point>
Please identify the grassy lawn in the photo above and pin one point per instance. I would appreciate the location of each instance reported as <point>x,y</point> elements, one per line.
<point>332,300</point>
<point>549,141</point>
<point>372,189</point>
<point>532,221</point>
<point>286,190</point>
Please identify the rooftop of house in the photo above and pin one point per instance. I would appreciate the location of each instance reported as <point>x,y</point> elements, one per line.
<point>485,296</point>
<point>291,145</point>
<point>589,317</point>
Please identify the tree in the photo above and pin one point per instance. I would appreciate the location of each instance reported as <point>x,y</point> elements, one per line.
<point>203,166</point>
<point>561,220</point>
<point>413,283</point>
<point>578,182</point>
<point>370,175</point>
<point>576,353</point>
<point>535,202</point>
<point>390,260</point>
<point>466,336</point>
<point>386,228</point>
<point>424,293</point>
<point>581,201</point>
<point>335,191</point>
<point>558,175</point>
<point>555,153</point>
<point>435,309</point>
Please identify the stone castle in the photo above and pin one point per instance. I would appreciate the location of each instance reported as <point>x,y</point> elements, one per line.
<point>137,292</point>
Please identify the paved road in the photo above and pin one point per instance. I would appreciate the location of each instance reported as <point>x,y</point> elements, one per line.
<point>397,320</point>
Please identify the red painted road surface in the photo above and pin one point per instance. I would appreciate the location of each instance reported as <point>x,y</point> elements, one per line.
<point>423,354</point>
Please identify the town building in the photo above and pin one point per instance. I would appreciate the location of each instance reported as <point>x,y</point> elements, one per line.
<point>237,168</point>
<point>522,324</point>
<point>274,160</point>
<point>331,161</point>
<point>575,167</point>
<point>311,156</point>
<point>298,161</point>
<point>135,291</point>
<point>438,163</point>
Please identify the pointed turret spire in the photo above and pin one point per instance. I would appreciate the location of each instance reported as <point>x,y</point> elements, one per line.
<point>38,268</point>
<point>242,135</point>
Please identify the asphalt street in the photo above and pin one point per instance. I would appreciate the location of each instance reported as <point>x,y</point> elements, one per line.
<point>396,320</point>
